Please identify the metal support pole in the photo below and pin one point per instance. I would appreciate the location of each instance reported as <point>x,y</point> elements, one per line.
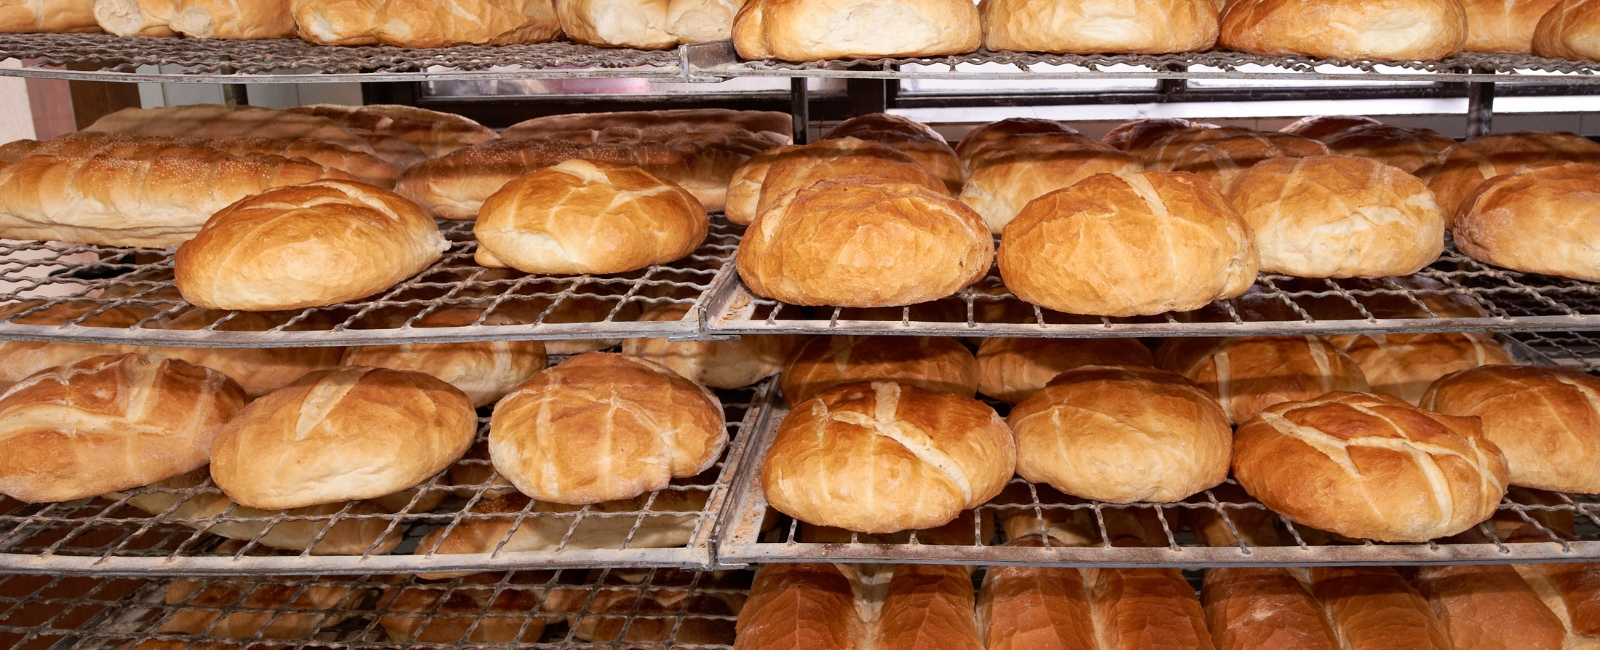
<point>235,95</point>
<point>1480,109</point>
<point>800,109</point>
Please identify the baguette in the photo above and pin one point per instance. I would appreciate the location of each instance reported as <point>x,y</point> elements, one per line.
<point>431,132</point>
<point>364,167</point>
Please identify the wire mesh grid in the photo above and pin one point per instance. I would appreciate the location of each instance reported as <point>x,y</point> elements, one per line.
<point>466,518</point>
<point>1455,293</point>
<point>103,294</point>
<point>602,608</point>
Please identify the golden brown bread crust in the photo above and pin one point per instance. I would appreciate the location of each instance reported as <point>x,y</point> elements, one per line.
<point>1138,609</point>
<point>47,17</point>
<point>1503,26</point>
<point>364,167</point>
<point>1098,26</point>
<point>513,531</point>
<point>1395,146</point>
<point>222,121</point>
<point>984,135</point>
<point>1128,245</point>
<point>864,242</point>
<point>1034,608</point>
<point>483,370</point>
<point>23,358</point>
<point>1536,220</point>
<point>431,132</point>
<point>951,452</point>
<point>1078,432</point>
<point>1572,592</point>
<point>1137,136</point>
<point>927,606</point>
<point>600,427</point>
<point>717,364</point>
<point>301,609</point>
<point>795,30</point>
<point>1545,420</point>
<point>1338,217</point>
<point>1489,607</point>
<point>1005,178</point>
<point>425,23</point>
<point>635,126</point>
<point>1218,155</point>
<point>1263,609</point>
<point>1249,374</point>
<point>934,363</point>
<point>1323,127</point>
<point>1011,369</point>
<point>1403,365</point>
<point>1370,466</point>
<point>492,614</point>
<point>1373,608</point>
<point>652,25</point>
<point>799,167</point>
<point>1567,31</point>
<point>1406,30</point>
<point>225,19</point>
<point>1459,170</point>
<point>342,434</point>
<point>909,136</point>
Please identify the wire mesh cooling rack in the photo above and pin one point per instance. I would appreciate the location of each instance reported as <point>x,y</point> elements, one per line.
<point>1455,293</point>
<point>569,609</point>
<point>464,519</point>
<point>103,294</point>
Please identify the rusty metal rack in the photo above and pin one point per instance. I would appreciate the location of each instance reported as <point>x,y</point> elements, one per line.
<point>1455,293</point>
<point>194,530</point>
<point>568,609</point>
<point>104,294</point>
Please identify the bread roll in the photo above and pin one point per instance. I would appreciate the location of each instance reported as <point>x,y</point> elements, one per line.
<point>933,363</point>
<point>425,23</point>
<point>1338,217</point>
<point>600,427</point>
<point>1459,170</point>
<point>431,132</point>
<point>1035,608</point>
<point>927,606</point>
<point>1219,155</point>
<point>907,136</point>
<point>791,169</point>
<point>951,452</point>
<point>791,30</point>
<point>225,19</point>
<point>1546,420</point>
<point>47,17</point>
<point>307,245</point>
<point>1567,31</point>
<point>1404,30</point>
<point>1145,609</point>
<point>109,423</point>
<point>1249,374</point>
<point>1011,369</point>
<point>1370,466</point>
<point>1137,136</point>
<point>1395,146</point>
<point>153,202</point>
<point>800,606</point>
<point>1099,26</point>
<point>1079,433</point>
<point>222,121</point>
<point>1403,365</point>
<point>772,127</point>
<point>864,242</point>
<point>1323,127</point>
<point>1489,607</point>
<point>1263,609</point>
<point>1543,220</point>
<point>717,364</point>
<point>1373,607</point>
<point>342,434</point>
<point>463,612</point>
<point>1500,26</point>
<point>484,370</point>
<point>984,135</point>
<point>257,370</point>
<point>245,610</point>
<point>1128,245</point>
<point>1571,591</point>
<point>1006,177</point>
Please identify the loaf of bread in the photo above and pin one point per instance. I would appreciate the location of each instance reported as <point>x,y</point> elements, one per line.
<point>1535,220</point>
<point>933,363</point>
<point>771,127</point>
<point>1374,607</point>
<point>1145,609</point>
<point>475,609</point>
<point>342,434</point>
<point>717,364</point>
<point>1338,217</point>
<point>225,19</point>
<point>1403,365</point>
<point>257,370</point>
<point>600,427</point>
<point>1011,369</point>
<point>1322,127</point>
<point>218,608</point>
<point>1099,26</point>
<point>513,523</point>
<point>1006,177</point>
<point>984,135</point>
<point>1263,609</point>
<point>47,17</point>
<point>483,370</point>
<point>1567,31</point>
<point>1546,420</point>
<point>800,606</point>
<point>1395,146</point>
<point>1405,30</point>
<point>1252,373</point>
<point>18,359</point>
<point>1459,170</point>
<point>364,167</point>
<point>1137,136</point>
<point>927,606</point>
<point>1218,155</point>
<point>1128,245</point>
<point>1079,433</point>
<point>208,121</point>
<point>425,23</point>
<point>864,242</point>
<point>654,25</point>
<point>1489,606</point>
<point>1571,591</point>
<point>951,452</point>
<point>110,423</point>
<point>913,138</point>
<point>771,177</point>
<point>792,30</point>
<point>306,245</point>
<point>1501,26</point>
<point>1035,608</point>
<point>431,132</point>
<point>1370,466</point>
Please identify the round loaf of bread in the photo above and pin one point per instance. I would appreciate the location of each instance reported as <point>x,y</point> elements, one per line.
<point>1008,176</point>
<point>425,23</point>
<point>1322,127</point>
<point>744,187</point>
<point>1545,419</point>
<point>1459,170</point>
<point>1543,220</point>
<point>652,25</point>
<point>1099,26</point>
<point>717,364</point>
<point>1012,369</point>
<point>883,457</point>
<point>809,30</point>
<point>1338,217</point>
<point>1395,146</point>
<point>1568,31</point>
<point>1121,435</point>
<point>1218,155</point>
<point>109,423</point>
<point>1370,466</point>
<point>342,434</point>
<point>928,362</point>
<point>1392,30</point>
<point>308,245</point>
<point>601,427</point>
<point>1137,136</point>
<point>1503,25</point>
<point>1403,365</point>
<point>482,370</point>
<point>908,136</point>
<point>1127,246</point>
<point>796,168</point>
<point>863,242</point>
<point>587,217</point>
<point>984,135</point>
<point>1252,373</point>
